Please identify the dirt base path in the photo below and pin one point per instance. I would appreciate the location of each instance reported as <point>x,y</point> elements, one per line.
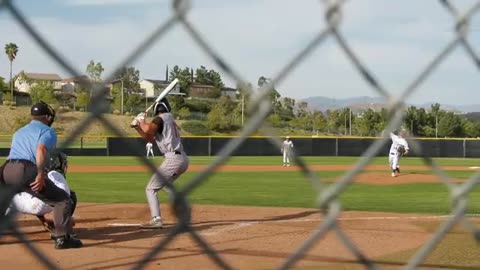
<point>256,168</point>
<point>245,237</point>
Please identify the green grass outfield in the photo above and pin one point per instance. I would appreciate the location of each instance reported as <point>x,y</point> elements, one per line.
<point>278,189</point>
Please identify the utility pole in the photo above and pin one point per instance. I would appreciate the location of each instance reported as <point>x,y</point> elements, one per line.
<point>350,124</point>
<point>121,95</point>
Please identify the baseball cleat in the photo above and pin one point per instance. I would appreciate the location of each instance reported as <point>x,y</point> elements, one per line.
<point>67,241</point>
<point>154,223</point>
<point>393,174</point>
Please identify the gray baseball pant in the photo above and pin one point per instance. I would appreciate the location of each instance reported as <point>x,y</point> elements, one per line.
<point>170,169</point>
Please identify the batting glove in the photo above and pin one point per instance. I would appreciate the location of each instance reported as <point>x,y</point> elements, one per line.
<point>140,116</point>
<point>135,122</point>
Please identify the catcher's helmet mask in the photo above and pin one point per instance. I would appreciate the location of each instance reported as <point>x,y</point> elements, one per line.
<point>58,162</point>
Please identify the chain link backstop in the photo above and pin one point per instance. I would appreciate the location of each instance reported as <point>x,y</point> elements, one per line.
<point>260,108</point>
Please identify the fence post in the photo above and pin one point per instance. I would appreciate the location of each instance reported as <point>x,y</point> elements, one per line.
<point>464,148</point>
<point>336,146</point>
<point>209,145</point>
<point>81,142</point>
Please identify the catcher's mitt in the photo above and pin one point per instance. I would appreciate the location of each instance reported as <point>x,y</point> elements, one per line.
<point>401,150</point>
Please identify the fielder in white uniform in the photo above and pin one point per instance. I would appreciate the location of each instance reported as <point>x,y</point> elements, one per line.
<point>25,203</point>
<point>395,154</point>
<point>164,131</point>
<point>287,148</point>
<point>149,147</point>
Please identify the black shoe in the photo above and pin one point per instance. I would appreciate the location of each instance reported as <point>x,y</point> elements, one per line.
<point>64,242</point>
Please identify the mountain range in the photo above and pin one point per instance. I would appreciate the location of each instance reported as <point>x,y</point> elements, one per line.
<point>364,102</point>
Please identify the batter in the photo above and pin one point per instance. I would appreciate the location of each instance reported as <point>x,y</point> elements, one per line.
<point>164,131</point>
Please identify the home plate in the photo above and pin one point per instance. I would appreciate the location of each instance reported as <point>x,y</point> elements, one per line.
<point>474,168</point>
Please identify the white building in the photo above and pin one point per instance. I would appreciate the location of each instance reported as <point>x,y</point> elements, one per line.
<point>148,85</point>
<point>25,80</point>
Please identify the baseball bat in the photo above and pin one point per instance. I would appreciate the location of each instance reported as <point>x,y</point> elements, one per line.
<point>164,93</point>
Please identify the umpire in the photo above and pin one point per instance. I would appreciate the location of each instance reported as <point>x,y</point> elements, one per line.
<point>26,168</point>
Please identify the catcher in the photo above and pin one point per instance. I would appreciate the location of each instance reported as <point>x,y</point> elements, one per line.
<point>398,149</point>
<point>27,204</point>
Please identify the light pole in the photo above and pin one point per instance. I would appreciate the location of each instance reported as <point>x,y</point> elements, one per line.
<point>121,99</point>
<point>243,107</point>
<point>350,121</point>
<point>243,104</point>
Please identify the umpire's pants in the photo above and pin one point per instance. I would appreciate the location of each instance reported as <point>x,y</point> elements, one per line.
<point>21,173</point>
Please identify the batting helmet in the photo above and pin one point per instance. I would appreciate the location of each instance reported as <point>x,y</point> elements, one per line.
<point>162,106</point>
<point>42,108</point>
<point>58,162</point>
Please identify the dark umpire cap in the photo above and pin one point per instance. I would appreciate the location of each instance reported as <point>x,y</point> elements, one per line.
<point>41,108</point>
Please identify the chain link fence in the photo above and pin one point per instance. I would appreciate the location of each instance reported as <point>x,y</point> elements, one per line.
<point>259,108</point>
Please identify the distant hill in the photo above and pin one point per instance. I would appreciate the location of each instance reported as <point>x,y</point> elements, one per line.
<point>375,103</point>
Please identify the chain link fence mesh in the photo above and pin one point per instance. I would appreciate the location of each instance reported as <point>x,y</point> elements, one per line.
<point>259,108</point>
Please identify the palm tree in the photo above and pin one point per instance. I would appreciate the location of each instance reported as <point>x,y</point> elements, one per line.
<point>11,50</point>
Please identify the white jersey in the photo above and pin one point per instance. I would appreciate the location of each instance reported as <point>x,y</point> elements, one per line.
<point>27,204</point>
<point>287,146</point>
<point>149,145</point>
<point>169,140</point>
<point>396,142</point>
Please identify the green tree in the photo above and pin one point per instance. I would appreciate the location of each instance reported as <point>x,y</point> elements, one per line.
<point>3,87</point>
<point>333,117</point>
<point>243,95</point>
<point>11,50</point>
<point>42,90</point>
<point>220,117</point>
<point>131,79</point>
<point>273,94</point>
<point>286,110</point>
<point>177,103</point>
<point>127,84</point>
<point>184,77</point>
<point>450,125</point>
<point>94,71</point>
<point>369,123</point>
<point>275,121</point>
<point>318,121</point>
<point>83,98</point>
<point>183,113</point>
<point>471,128</point>
<point>133,103</point>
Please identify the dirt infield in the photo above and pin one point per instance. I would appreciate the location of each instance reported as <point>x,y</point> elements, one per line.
<point>246,237</point>
<point>253,168</point>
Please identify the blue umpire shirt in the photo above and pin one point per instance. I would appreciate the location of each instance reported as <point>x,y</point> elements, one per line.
<point>26,139</point>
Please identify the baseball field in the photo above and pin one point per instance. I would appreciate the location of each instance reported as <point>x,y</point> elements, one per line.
<point>254,214</point>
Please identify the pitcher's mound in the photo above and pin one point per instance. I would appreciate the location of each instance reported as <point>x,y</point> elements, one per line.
<point>384,178</point>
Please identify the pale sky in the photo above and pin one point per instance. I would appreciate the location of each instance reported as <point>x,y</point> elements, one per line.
<point>395,39</point>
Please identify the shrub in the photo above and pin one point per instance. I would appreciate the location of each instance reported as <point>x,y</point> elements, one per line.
<point>197,105</point>
<point>195,128</point>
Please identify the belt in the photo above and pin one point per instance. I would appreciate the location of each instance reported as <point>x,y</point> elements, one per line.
<point>19,161</point>
<point>177,152</point>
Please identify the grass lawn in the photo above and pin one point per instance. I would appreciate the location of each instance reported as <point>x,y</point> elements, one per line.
<point>282,189</point>
<point>273,160</point>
